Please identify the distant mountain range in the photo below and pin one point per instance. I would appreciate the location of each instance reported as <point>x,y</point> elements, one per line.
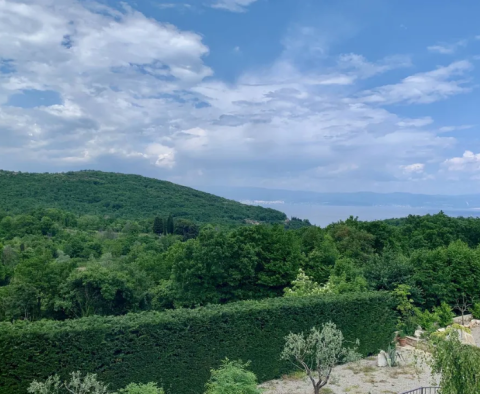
<point>276,197</point>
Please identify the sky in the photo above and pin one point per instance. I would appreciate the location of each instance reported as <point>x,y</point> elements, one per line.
<point>318,95</point>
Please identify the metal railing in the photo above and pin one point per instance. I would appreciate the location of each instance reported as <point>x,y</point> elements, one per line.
<point>424,390</point>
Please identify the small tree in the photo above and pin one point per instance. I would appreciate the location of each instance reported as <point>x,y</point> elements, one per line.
<point>462,305</point>
<point>232,378</point>
<point>318,352</point>
<point>158,226</point>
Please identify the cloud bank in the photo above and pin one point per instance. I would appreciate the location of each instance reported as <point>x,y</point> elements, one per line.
<point>137,95</point>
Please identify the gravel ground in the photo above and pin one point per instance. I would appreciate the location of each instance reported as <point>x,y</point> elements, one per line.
<point>362,377</point>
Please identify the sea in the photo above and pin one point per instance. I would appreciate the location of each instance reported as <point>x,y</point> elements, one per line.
<point>323,215</point>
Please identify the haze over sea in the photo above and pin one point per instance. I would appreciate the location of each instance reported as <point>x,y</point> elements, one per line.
<point>322,215</point>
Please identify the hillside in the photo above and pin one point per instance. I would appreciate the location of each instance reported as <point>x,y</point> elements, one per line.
<point>121,195</point>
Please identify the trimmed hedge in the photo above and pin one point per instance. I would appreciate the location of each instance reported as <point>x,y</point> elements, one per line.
<point>178,348</point>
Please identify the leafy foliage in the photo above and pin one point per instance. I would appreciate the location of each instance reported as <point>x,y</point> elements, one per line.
<point>458,365</point>
<point>77,384</point>
<point>166,347</point>
<point>318,352</point>
<point>232,378</point>
<point>122,196</point>
<point>149,388</point>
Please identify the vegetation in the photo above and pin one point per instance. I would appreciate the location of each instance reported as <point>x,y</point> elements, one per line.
<point>86,385</point>
<point>122,196</point>
<point>77,384</point>
<point>457,364</point>
<point>169,346</point>
<point>318,352</point>
<point>57,265</point>
<point>232,378</point>
<point>89,259</point>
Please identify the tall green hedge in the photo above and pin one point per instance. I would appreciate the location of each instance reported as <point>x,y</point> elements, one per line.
<point>178,348</point>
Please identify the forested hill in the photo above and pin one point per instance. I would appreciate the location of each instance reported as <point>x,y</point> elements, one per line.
<point>123,196</point>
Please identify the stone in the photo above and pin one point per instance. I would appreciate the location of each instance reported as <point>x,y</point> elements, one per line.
<point>466,319</point>
<point>465,337</point>
<point>382,359</point>
<point>474,323</point>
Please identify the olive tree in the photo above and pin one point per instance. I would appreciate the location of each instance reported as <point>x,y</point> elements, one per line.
<point>318,352</point>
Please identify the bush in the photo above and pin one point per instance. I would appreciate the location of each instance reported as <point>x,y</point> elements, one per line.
<point>232,378</point>
<point>178,348</point>
<point>445,314</point>
<point>475,311</point>
<point>427,320</point>
<point>75,385</point>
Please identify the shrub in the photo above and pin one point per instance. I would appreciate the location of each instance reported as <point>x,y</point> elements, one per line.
<point>445,314</point>
<point>149,388</point>
<point>75,385</point>
<point>232,378</point>
<point>427,320</point>
<point>475,311</point>
<point>166,347</point>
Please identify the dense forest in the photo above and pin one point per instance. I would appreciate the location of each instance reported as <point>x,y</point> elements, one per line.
<point>122,196</point>
<point>57,264</point>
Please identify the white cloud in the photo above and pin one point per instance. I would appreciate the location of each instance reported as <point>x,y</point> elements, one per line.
<point>469,162</point>
<point>113,70</point>
<point>447,48</point>
<point>163,156</point>
<point>447,129</point>
<point>420,122</point>
<point>424,88</point>
<point>416,168</point>
<point>233,5</point>
<point>366,69</point>
<point>173,5</point>
<point>134,97</point>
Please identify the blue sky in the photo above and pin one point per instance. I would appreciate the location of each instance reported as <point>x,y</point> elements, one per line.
<point>348,95</point>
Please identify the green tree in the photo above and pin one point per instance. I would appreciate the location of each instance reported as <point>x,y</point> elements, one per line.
<point>186,228</point>
<point>170,225</point>
<point>321,259</point>
<point>215,268</point>
<point>19,301</point>
<point>158,226</point>
<point>97,290</point>
<point>447,273</point>
<point>278,254</point>
<point>353,242</point>
<point>318,352</point>
<point>388,270</point>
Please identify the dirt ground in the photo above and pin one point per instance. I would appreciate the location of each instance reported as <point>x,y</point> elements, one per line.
<point>362,377</point>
